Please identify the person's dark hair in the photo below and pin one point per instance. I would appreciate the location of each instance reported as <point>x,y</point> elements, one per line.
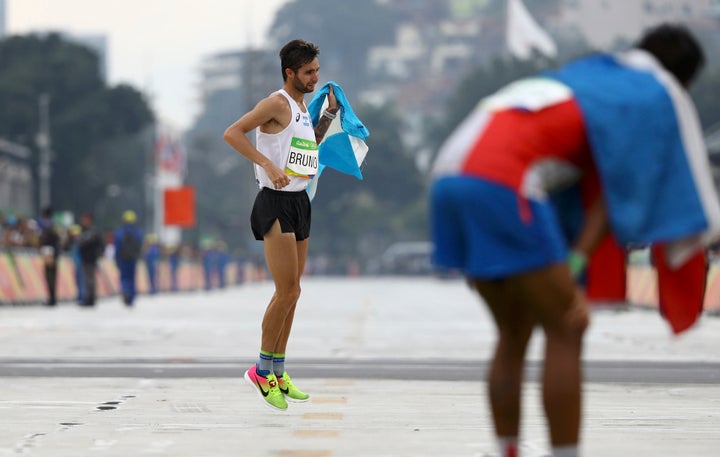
<point>47,212</point>
<point>295,54</point>
<point>676,49</point>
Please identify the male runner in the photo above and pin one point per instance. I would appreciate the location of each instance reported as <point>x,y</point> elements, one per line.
<point>285,159</point>
<point>626,117</point>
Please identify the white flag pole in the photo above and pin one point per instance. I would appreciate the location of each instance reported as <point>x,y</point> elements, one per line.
<point>523,33</point>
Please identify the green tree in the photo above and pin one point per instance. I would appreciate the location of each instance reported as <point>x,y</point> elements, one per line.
<point>226,190</point>
<point>99,134</point>
<point>362,217</point>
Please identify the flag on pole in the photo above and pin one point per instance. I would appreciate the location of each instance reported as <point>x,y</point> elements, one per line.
<point>170,154</point>
<point>169,174</point>
<point>523,34</point>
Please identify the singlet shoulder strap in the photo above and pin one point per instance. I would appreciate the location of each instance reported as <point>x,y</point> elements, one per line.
<point>292,101</point>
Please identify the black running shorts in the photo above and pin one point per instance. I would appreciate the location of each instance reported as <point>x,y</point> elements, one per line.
<point>292,209</point>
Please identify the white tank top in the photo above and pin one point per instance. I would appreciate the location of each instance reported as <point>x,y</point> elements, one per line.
<point>293,149</point>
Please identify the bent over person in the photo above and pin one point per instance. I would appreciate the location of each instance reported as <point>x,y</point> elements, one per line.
<point>285,159</point>
<point>621,123</point>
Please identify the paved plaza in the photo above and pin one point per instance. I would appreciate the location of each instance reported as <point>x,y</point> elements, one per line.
<point>395,367</point>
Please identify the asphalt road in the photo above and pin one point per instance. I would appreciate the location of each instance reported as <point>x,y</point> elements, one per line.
<point>431,370</point>
<point>395,368</point>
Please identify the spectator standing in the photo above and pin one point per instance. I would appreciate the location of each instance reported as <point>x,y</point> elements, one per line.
<point>91,247</point>
<point>72,246</point>
<point>152,259</point>
<point>174,260</point>
<point>209,256</point>
<point>12,235</point>
<point>222,261</point>
<point>50,249</point>
<point>128,240</point>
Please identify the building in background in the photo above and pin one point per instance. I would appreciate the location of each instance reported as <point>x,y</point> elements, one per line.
<point>231,83</point>
<point>630,17</point>
<point>3,18</point>
<point>16,179</point>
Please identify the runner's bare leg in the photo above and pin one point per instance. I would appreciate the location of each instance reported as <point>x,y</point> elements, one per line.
<point>281,256</point>
<point>281,345</point>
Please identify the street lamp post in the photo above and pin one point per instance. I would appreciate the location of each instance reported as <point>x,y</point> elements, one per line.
<point>44,145</point>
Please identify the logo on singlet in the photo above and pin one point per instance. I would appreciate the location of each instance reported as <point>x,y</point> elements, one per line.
<point>297,118</point>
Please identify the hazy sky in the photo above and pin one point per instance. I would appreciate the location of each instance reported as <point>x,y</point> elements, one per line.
<point>155,45</point>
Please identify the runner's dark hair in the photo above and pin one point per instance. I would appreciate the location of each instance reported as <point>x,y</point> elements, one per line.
<point>295,54</point>
<point>676,49</point>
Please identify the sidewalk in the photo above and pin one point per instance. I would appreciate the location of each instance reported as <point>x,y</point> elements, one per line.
<point>214,413</point>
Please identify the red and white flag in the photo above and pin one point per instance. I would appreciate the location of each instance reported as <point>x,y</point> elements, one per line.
<point>170,154</point>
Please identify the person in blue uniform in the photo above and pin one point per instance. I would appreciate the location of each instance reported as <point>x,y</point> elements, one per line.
<point>128,241</point>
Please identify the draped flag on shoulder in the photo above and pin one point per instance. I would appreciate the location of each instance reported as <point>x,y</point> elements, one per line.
<point>343,147</point>
<point>649,150</point>
<point>652,161</point>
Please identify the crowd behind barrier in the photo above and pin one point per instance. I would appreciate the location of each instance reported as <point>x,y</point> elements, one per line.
<point>22,279</point>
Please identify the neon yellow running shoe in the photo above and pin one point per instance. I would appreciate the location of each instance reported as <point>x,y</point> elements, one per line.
<point>267,388</point>
<point>291,392</point>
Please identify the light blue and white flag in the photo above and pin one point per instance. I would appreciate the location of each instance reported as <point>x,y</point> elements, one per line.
<point>648,146</point>
<point>343,147</point>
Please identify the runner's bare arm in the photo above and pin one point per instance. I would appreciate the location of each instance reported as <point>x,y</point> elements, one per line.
<point>267,114</point>
<point>594,228</point>
<point>324,122</point>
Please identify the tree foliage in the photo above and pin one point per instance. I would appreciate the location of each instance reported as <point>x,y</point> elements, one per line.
<point>362,217</point>
<point>100,149</point>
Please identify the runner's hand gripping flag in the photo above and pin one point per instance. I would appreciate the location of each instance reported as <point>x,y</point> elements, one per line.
<point>343,147</point>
